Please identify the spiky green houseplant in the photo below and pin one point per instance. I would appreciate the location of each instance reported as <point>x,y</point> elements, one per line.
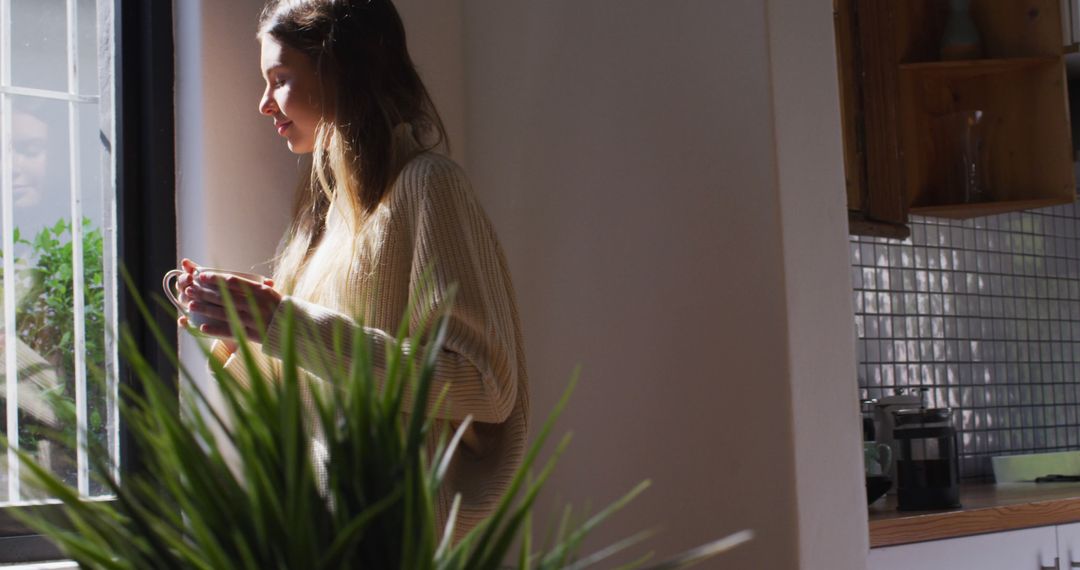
<point>189,509</point>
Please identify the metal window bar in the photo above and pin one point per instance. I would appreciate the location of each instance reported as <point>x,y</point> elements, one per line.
<point>107,125</point>
<point>75,156</point>
<point>47,94</point>
<point>7,199</point>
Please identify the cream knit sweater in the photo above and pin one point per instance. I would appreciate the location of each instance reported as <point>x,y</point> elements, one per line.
<point>433,223</point>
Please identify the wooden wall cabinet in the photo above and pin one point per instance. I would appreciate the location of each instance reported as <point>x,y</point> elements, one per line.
<point>896,90</point>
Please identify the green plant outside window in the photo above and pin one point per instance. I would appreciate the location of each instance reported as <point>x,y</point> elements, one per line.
<point>45,321</point>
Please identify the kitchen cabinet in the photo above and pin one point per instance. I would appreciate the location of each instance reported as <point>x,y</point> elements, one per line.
<point>1027,549</point>
<point>899,101</point>
<point>1039,548</point>
<point>1068,536</point>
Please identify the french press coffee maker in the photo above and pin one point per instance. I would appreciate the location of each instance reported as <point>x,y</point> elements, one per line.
<point>927,461</point>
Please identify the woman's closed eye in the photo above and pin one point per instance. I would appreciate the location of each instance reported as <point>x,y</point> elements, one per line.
<point>278,78</point>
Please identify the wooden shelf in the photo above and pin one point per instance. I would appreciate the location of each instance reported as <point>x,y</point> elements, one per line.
<point>858,224</point>
<point>1029,159</point>
<point>986,508</point>
<point>975,67</point>
<point>969,210</point>
<point>903,152</point>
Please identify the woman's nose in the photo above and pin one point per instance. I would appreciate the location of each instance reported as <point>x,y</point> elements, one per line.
<point>266,104</point>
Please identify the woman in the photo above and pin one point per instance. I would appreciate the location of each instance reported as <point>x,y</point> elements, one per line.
<point>378,211</point>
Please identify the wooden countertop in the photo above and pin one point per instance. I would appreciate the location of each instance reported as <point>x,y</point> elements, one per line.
<point>986,508</point>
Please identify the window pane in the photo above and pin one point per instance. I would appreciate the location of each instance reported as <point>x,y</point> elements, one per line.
<point>43,280</point>
<point>88,43</point>
<point>39,44</point>
<point>96,195</point>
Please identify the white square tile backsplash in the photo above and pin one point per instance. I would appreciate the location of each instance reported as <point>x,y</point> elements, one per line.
<point>985,315</point>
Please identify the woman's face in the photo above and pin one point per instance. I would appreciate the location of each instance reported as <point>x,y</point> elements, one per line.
<point>30,136</point>
<point>293,95</point>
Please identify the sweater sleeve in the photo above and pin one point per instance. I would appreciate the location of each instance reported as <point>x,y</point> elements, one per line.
<point>234,363</point>
<point>454,245</point>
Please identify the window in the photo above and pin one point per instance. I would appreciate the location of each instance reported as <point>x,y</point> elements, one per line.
<point>59,277</point>
<point>86,186</point>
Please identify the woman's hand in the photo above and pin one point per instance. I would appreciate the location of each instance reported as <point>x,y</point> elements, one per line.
<point>183,284</point>
<point>255,303</point>
<point>211,304</point>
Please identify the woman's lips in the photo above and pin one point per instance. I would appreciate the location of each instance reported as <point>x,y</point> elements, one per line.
<point>284,127</point>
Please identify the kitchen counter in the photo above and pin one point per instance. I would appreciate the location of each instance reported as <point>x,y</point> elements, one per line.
<point>986,508</point>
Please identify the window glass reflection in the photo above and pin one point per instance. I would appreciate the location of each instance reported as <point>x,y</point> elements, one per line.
<point>39,42</point>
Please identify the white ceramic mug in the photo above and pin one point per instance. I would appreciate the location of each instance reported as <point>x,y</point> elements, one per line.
<point>876,457</point>
<point>173,293</point>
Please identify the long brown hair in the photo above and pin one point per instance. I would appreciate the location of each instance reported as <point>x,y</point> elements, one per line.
<point>359,52</point>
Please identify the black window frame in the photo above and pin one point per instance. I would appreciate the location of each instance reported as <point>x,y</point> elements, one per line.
<point>146,218</point>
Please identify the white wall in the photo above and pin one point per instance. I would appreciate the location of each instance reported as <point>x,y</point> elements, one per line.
<point>666,179</point>
<point>829,476</point>
<point>434,31</point>
<point>234,180</point>
<point>234,175</point>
